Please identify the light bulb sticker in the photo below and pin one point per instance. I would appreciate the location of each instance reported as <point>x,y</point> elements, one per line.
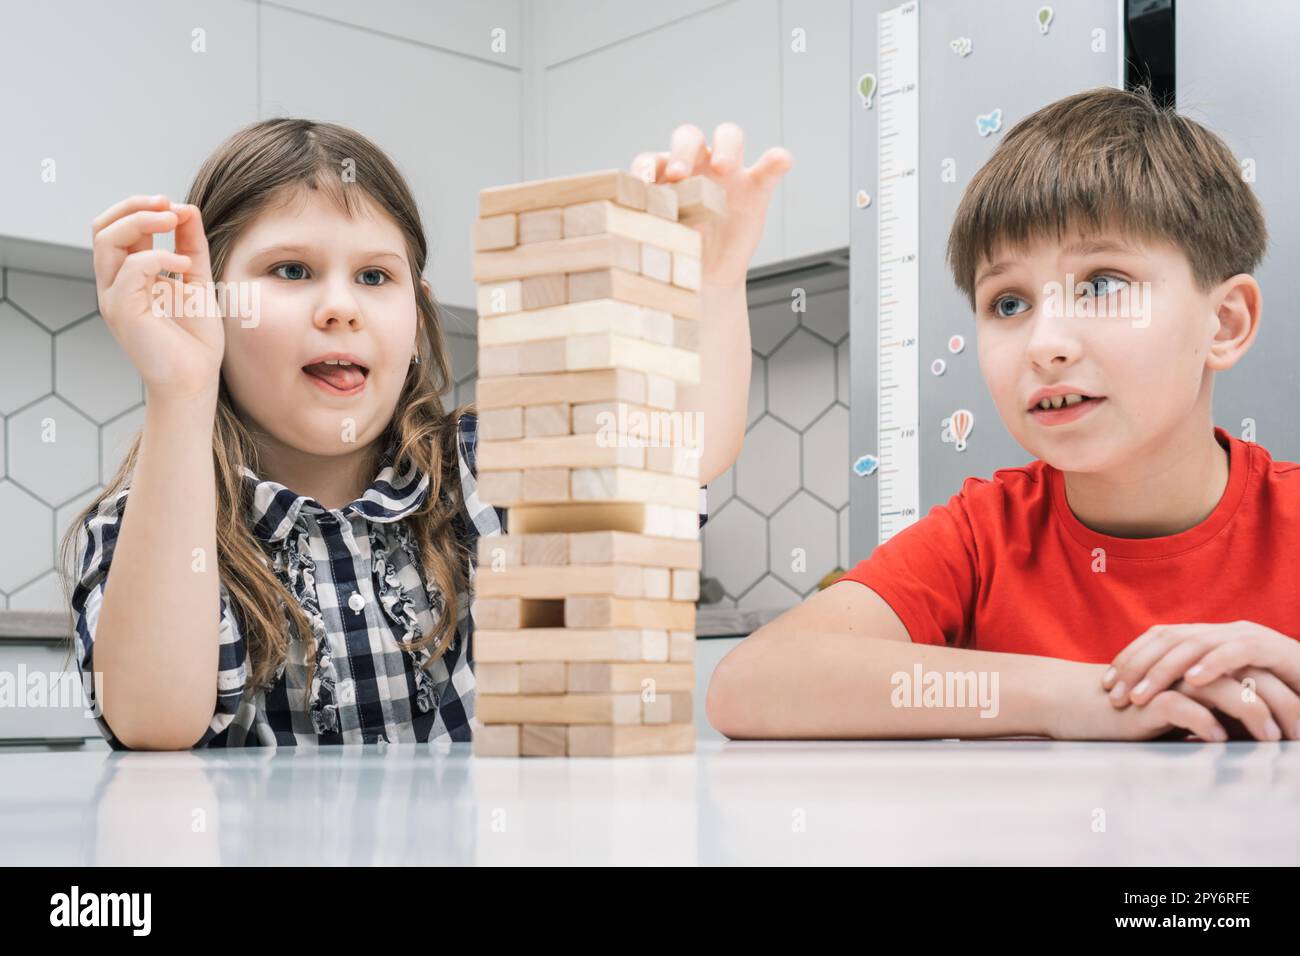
<point>938,367</point>
<point>957,428</point>
<point>960,46</point>
<point>867,89</point>
<point>956,343</point>
<point>1045,15</point>
<point>863,199</point>
<point>865,465</point>
<point>989,122</point>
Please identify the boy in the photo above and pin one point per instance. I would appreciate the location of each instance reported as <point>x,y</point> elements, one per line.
<point>1076,596</point>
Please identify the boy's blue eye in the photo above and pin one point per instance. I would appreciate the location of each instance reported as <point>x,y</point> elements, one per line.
<point>1006,306</point>
<point>383,276</point>
<point>1102,285</point>
<point>290,265</point>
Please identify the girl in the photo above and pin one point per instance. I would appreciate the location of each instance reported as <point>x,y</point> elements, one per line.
<point>297,561</point>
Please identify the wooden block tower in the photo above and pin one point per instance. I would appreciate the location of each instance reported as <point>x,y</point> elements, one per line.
<point>584,612</point>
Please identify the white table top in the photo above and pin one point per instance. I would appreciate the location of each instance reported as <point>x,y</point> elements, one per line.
<point>896,802</point>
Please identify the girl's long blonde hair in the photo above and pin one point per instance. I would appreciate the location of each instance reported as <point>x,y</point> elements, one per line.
<point>254,168</point>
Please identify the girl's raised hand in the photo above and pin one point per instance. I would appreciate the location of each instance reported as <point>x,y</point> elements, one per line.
<point>730,241</point>
<point>171,329</point>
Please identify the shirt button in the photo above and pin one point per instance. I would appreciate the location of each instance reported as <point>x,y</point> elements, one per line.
<point>356,602</point>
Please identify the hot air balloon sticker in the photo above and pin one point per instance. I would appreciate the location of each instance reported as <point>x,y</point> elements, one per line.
<point>867,89</point>
<point>1044,19</point>
<point>957,428</point>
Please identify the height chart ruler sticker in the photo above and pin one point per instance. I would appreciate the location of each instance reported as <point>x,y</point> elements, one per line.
<point>898,299</point>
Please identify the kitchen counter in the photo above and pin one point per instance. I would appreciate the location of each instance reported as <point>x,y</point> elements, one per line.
<point>898,802</point>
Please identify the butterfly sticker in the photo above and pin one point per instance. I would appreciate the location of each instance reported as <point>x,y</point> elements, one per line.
<point>961,46</point>
<point>990,123</point>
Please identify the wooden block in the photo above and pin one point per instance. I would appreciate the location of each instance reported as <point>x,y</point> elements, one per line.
<point>498,424</point>
<point>627,286</point>
<point>630,484</point>
<point>681,645</point>
<point>611,417</point>
<point>501,487</point>
<point>543,677</point>
<point>650,427</point>
<point>543,740</point>
<point>673,460</point>
<point>660,392</point>
<point>686,271</point>
<point>668,708</point>
<point>580,254</point>
<point>661,200</point>
<point>605,351</point>
<point>619,547</point>
<point>553,548</point>
<point>502,361</point>
<point>541,421</point>
<point>699,199</point>
<point>513,613</point>
<point>531,486</point>
<point>635,517</point>
<point>593,316</point>
<point>656,263</point>
<point>656,584</point>
<point>599,385</point>
<point>629,678</point>
<point>520,295</point>
<point>496,740</point>
<point>583,352</point>
<point>559,708</point>
<point>604,612</point>
<point>559,451</point>
<point>545,549</point>
<point>614,185</point>
<point>502,297</point>
<point>541,225</point>
<point>686,585</point>
<point>498,552</point>
<point>546,484</point>
<point>498,678</point>
<point>606,218</point>
<point>557,582</point>
<point>631,740</point>
<point>569,644</point>
<point>686,334</point>
<point>495,232</point>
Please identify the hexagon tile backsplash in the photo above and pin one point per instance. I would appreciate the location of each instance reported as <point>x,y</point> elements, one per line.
<point>779,517</point>
<point>70,405</point>
<point>71,402</point>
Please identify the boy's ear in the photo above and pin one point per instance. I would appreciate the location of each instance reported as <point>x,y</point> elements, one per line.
<point>1237,307</point>
<point>428,290</point>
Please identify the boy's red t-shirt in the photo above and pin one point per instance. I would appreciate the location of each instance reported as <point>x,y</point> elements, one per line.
<point>1006,566</point>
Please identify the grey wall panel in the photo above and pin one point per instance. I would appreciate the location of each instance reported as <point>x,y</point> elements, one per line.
<point>1014,67</point>
<point>1238,73</point>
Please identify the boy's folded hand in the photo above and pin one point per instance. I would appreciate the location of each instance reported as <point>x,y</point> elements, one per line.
<point>1244,669</point>
<point>1083,712</point>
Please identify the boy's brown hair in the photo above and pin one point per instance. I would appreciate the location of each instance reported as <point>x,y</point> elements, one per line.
<point>1103,158</point>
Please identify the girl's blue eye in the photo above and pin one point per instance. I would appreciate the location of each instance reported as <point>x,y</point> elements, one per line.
<point>383,276</point>
<point>1005,306</point>
<point>290,265</point>
<point>1103,285</point>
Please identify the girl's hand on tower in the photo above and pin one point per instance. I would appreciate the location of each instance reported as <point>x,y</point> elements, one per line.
<point>729,241</point>
<point>170,328</point>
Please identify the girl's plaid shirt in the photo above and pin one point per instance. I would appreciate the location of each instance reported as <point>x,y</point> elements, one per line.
<point>355,573</point>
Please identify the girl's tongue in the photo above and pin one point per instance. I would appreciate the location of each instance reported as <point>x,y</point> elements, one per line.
<point>342,377</point>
